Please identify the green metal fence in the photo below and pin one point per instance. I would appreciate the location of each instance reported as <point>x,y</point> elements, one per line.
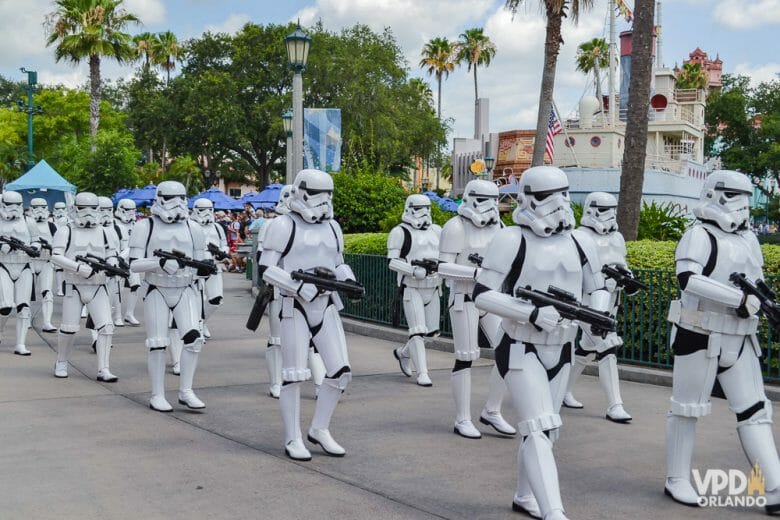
<point>641,320</point>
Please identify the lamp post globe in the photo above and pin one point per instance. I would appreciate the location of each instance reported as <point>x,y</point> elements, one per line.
<point>297,43</point>
<point>287,121</point>
<point>489,162</point>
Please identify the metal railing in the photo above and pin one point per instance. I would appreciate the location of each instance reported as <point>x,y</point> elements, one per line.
<point>641,320</point>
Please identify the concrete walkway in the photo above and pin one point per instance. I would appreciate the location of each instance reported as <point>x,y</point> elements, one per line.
<point>77,448</point>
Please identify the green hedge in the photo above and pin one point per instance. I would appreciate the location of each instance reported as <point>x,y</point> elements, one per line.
<point>642,254</point>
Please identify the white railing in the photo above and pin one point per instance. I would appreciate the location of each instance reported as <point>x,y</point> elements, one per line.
<point>671,114</point>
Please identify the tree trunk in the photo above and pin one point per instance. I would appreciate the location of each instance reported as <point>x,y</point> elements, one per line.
<point>598,93</point>
<point>476,94</point>
<point>552,45</point>
<point>94,98</point>
<point>633,167</point>
<point>438,111</point>
<point>438,148</point>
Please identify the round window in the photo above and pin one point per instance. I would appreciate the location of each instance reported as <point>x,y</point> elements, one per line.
<point>595,141</point>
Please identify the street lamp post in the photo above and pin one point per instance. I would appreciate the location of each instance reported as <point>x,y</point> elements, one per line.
<point>30,110</point>
<point>489,162</point>
<point>287,121</point>
<point>297,43</point>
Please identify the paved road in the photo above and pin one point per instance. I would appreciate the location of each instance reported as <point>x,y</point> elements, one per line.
<point>77,448</point>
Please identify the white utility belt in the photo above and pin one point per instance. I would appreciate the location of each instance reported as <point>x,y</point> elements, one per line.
<point>565,332</point>
<point>98,278</point>
<point>169,280</point>
<point>710,321</point>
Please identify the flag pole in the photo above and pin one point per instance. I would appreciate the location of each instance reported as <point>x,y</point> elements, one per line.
<point>557,114</point>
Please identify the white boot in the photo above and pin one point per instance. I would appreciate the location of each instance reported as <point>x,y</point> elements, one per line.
<point>759,446</point>
<point>103,354</point>
<point>542,474</point>
<point>328,398</point>
<point>64,346</point>
<point>22,326</point>
<point>403,361</point>
<point>461,393</point>
<point>47,308</point>
<point>189,362</point>
<point>680,437</point>
<point>417,353</point>
<point>290,405</point>
<point>610,383</point>
<point>132,299</point>
<point>273,363</point>
<point>491,413</point>
<point>524,501</point>
<point>580,362</point>
<point>156,367</point>
<point>175,348</point>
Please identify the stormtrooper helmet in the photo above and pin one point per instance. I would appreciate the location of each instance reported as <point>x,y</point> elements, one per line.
<point>599,212</point>
<point>203,212</point>
<point>85,210</point>
<point>60,211</point>
<point>12,205</point>
<point>125,211</point>
<point>417,211</point>
<point>725,200</point>
<point>283,205</point>
<point>106,210</point>
<point>170,202</point>
<point>39,209</point>
<point>312,196</point>
<point>480,203</point>
<point>543,202</point>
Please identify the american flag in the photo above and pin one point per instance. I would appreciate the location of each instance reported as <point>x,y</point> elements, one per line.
<point>553,129</point>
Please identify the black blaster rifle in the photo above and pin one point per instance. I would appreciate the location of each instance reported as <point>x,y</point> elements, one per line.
<point>216,252</point>
<point>325,280</point>
<point>100,264</point>
<point>122,263</point>
<point>624,278</point>
<point>18,245</point>
<point>476,259</point>
<point>45,244</point>
<point>204,267</point>
<point>264,296</point>
<point>765,295</point>
<point>568,307</point>
<point>430,265</point>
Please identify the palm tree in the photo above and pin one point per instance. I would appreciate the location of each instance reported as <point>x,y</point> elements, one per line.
<point>145,45</point>
<point>167,52</point>
<point>633,169</point>
<point>476,49</point>
<point>692,76</point>
<point>90,29</point>
<point>438,60</point>
<point>556,11</point>
<point>594,56</point>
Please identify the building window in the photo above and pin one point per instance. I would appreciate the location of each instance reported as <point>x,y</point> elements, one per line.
<point>234,192</point>
<point>595,141</point>
<point>570,142</point>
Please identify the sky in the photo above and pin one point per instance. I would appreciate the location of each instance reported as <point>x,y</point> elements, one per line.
<point>741,32</point>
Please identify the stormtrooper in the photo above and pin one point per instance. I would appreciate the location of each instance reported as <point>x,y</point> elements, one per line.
<point>416,239</point>
<point>308,239</point>
<point>714,336</point>
<point>113,284</point>
<point>61,217</point>
<point>599,224</point>
<point>534,352</point>
<point>16,276</point>
<point>209,288</point>
<point>462,238</point>
<point>273,354</point>
<point>83,284</point>
<point>169,291</point>
<point>42,266</point>
<point>123,223</point>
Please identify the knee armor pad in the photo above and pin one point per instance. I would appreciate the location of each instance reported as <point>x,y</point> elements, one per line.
<point>691,409</point>
<point>157,343</point>
<point>47,296</point>
<point>69,328</point>
<point>759,413</point>
<point>541,423</point>
<point>274,341</point>
<point>106,330</point>
<point>341,379</point>
<point>193,341</point>
<point>461,365</point>
<point>23,311</point>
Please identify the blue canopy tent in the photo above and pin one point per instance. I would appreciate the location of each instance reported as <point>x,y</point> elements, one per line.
<point>447,204</point>
<point>121,194</point>
<point>141,196</point>
<point>266,199</point>
<point>44,182</point>
<point>219,199</point>
<point>432,195</point>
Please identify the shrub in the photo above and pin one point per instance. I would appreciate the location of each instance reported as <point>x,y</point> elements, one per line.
<point>661,222</point>
<point>363,198</point>
<point>393,217</point>
<point>366,243</point>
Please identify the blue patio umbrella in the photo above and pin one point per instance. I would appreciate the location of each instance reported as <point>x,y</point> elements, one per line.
<point>432,195</point>
<point>266,199</point>
<point>219,199</point>
<point>141,196</point>
<point>119,195</point>
<point>447,204</point>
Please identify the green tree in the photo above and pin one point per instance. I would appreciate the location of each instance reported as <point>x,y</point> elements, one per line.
<point>111,166</point>
<point>361,198</point>
<point>475,48</point>
<point>632,174</point>
<point>438,61</point>
<point>91,29</point>
<point>555,11</point>
<point>593,56</point>
<point>145,45</point>
<point>691,76</point>
<point>149,112</point>
<point>166,51</point>
<point>185,170</point>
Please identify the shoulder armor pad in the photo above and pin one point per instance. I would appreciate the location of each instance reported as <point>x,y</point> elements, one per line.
<point>694,246</point>
<point>452,236</point>
<point>588,248</point>
<point>395,241</point>
<point>502,249</point>
<point>279,233</point>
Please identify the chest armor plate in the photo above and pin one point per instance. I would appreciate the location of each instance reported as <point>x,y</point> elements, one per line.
<point>210,233</point>
<point>425,244</point>
<point>86,240</point>
<point>549,261</point>
<point>734,254</point>
<point>126,229</point>
<point>169,237</point>
<point>476,241</point>
<point>15,229</point>
<point>610,247</point>
<point>314,245</point>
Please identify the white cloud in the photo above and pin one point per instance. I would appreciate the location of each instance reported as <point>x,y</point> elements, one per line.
<point>150,12</point>
<point>758,73</point>
<point>747,14</point>
<point>231,24</point>
<point>23,42</point>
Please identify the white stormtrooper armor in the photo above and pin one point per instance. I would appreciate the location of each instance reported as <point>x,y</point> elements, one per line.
<point>83,285</point>
<point>416,238</point>
<point>273,354</point>
<point>599,224</point>
<point>42,266</point>
<point>169,293</point>
<point>119,244</point>
<point>714,336</point>
<point>534,353</point>
<point>16,276</point>
<point>123,224</point>
<point>61,217</point>
<point>209,288</point>
<point>469,234</point>
<point>304,239</point>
